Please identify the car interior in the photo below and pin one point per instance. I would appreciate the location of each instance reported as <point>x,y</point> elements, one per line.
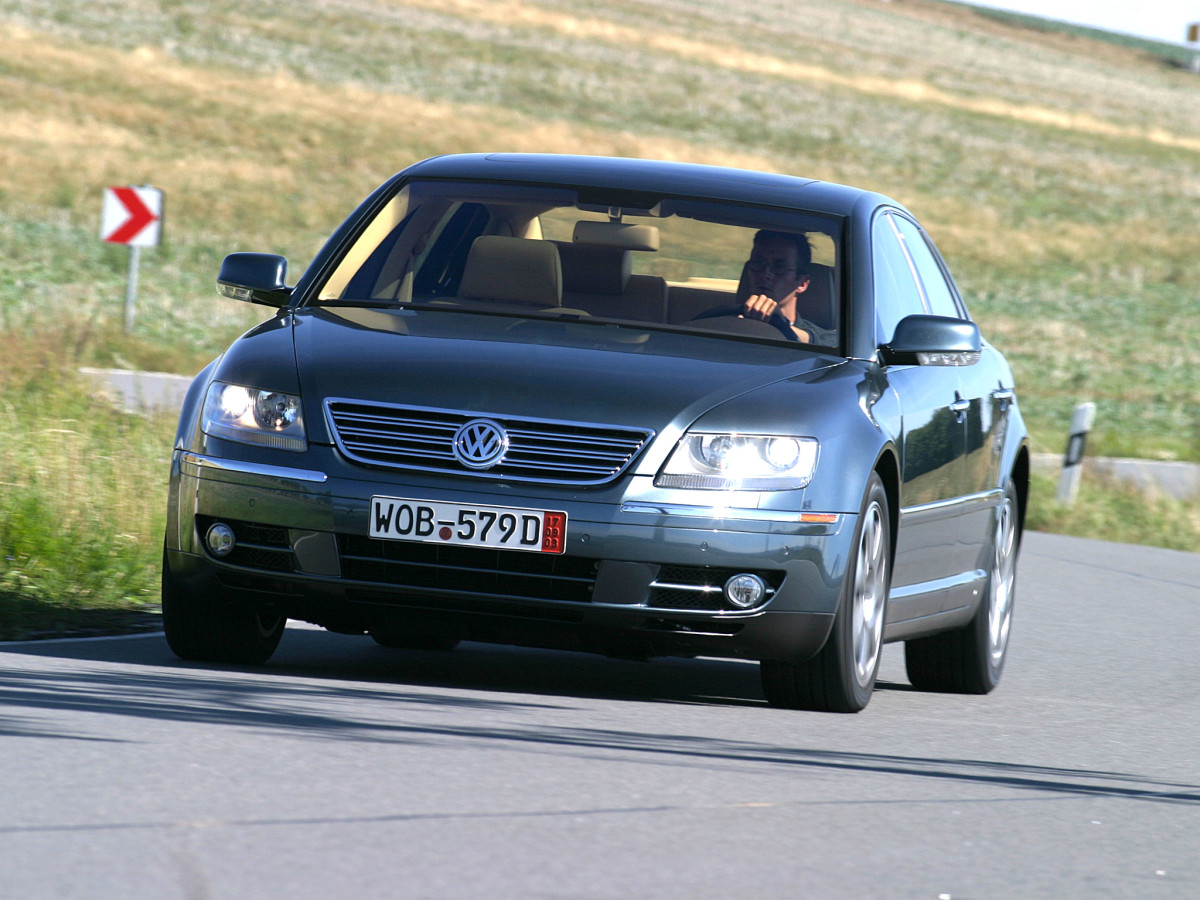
<point>564,260</point>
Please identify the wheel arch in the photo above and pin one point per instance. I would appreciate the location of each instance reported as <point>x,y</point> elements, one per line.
<point>887,467</point>
<point>1020,480</point>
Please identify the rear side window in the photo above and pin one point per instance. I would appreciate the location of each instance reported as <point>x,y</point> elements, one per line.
<point>938,293</point>
<point>896,291</point>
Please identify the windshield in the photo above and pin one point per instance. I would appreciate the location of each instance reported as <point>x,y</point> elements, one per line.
<point>611,257</point>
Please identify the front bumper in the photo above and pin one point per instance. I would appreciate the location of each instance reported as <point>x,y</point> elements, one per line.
<point>641,575</point>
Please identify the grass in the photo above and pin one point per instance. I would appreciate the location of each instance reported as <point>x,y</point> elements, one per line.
<point>83,496</point>
<point>1055,169</point>
<point>1111,510</point>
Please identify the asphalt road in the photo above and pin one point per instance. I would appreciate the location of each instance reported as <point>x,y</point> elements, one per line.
<point>345,770</point>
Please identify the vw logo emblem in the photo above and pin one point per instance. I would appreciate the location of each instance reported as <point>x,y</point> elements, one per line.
<point>480,444</point>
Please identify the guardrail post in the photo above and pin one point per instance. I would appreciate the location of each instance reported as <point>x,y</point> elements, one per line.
<point>1072,468</point>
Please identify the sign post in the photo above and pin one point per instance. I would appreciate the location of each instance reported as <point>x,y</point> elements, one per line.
<point>132,216</point>
<point>1193,36</point>
<point>1072,468</point>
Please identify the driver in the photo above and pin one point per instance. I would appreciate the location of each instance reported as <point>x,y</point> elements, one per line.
<point>772,280</point>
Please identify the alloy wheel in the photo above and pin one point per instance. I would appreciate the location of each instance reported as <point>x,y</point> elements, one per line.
<point>870,583</point>
<point>1000,599</point>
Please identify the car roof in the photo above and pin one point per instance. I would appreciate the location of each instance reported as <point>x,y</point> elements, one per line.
<point>653,177</point>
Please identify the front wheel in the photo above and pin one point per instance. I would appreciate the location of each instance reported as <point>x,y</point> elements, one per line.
<point>970,660</point>
<point>841,677</point>
<point>213,629</point>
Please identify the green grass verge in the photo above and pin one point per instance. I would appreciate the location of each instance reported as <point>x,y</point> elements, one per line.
<point>83,497</point>
<point>1114,510</point>
<point>1108,509</point>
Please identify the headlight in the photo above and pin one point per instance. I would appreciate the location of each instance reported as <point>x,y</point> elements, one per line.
<point>253,416</point>
<point>746,462</point>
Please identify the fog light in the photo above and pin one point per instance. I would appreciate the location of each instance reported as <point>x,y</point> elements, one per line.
<point>220,540</point>
<point>744,591</point>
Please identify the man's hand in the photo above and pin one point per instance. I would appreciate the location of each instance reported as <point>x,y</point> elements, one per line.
<point>763,308</point>
<point>759,306</point>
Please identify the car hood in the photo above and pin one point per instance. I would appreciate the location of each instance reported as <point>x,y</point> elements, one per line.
<point>542,368</point>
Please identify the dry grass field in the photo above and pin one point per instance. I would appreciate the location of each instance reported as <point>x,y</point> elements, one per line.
<point>1059,173</point>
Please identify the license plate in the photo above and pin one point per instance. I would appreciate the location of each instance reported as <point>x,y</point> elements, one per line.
<point>502,527</point>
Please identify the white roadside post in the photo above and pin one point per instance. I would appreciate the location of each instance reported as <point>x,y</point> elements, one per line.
<point>1072,468</point>
<point>132,216</point>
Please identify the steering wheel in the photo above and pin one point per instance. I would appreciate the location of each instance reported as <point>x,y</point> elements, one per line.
<point>736,323</point>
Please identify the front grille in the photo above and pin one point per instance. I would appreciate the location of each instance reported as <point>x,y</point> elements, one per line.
<point>417,438</point>
<point>468,570</point>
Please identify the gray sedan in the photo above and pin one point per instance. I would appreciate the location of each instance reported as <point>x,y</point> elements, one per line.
<point>621,406</point>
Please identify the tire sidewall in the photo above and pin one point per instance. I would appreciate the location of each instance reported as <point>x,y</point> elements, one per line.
<point>990,672</point>
<point>860,695</point>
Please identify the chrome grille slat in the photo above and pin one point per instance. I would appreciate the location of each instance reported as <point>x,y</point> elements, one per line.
<point>383,441</point>
<point>397,420</point>
<point>569,453</point>
<point>421,439</point>
<point>396,427</point>
<point>402,454</point>
<point>519,467</point>
<point>614,446</point>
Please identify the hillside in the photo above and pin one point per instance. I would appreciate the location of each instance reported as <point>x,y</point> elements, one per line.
<point>1057,172</point>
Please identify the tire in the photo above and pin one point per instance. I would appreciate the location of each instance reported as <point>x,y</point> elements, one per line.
<point>970,660</point>
<point>414,640</point>
<point>841,677</point>
<point>214,629</point>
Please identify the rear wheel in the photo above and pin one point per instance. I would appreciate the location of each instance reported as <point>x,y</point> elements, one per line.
<point>841,677</point>
<point>213,629</point>
<point>970,660</point>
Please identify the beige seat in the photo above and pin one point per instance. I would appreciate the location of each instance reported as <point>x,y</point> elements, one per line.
<point>600,280</point>
<point>512,271</point>
<point>818,304</point>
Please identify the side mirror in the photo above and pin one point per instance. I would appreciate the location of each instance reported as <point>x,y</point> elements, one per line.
<point>933,341</point>
<point>254,278</point>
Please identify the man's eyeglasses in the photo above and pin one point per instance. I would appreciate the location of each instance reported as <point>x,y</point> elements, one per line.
<point>776,267</point>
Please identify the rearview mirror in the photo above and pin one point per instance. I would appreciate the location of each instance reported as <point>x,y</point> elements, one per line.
<point>933,341</point>
<point>254,278</point>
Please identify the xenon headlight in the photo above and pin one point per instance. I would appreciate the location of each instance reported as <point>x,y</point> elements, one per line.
<point>254,416</point>
<point>747,462</point>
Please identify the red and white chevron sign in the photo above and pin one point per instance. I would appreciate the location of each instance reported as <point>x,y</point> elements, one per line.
<point>132,216</point>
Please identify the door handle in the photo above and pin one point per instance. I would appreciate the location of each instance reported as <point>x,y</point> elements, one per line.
<point>960,406</point>
<point>1003,396</point>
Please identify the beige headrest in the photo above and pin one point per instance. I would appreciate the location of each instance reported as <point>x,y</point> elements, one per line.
<point>513,270</point>
<point>588,269</point>
<point>616,234</point>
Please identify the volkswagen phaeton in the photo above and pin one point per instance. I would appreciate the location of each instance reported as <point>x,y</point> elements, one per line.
<point>628,407</point>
